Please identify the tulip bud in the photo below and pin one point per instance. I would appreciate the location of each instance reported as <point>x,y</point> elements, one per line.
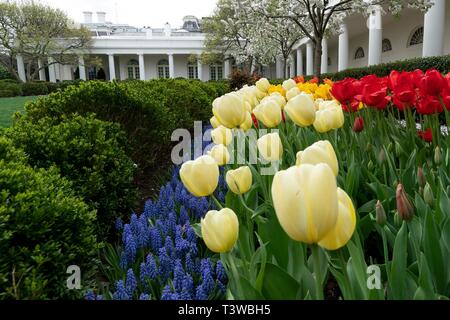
<point>380,214</point>
<point>229,109</point>
<point>240,180</point>
<point>370,165</point>
<point>428,195</point>
<point>220,154</point>
<point>398,149</point>
<point>369,146</point>
<point>404,206</point>
<point>358,125</point>
<point>222,135</point>
<point>319,152</point>
<point>437,155</point>
<point>301,110</point>
<point>269,113</point>
<point>381,156</point>
<point>390,147</point>
<point>200,176</point>
<point>263,84</point>
<point>270,147</point>
<point>247,124</point>
<point>289,84</point>
<point>421,177</point>
<point>295,91</point>
<point>214,122</point>
<point>220,230</point>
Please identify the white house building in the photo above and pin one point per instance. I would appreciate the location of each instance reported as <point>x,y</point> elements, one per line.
<point>145,53</point>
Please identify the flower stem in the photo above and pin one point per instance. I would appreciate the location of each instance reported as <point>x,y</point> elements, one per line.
<point>316,265</point>
<point>217,202</point>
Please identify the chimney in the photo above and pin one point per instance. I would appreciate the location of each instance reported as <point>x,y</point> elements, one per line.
<point>167,29</point>
<point>87,16</point>
<point>101,17</point>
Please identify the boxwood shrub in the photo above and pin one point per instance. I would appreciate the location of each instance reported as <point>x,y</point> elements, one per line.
<point>91,154</point>
<point>34,89</point>
<point>44,228</point>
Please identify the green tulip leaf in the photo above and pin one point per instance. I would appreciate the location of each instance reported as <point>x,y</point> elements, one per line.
<point>278,284</point>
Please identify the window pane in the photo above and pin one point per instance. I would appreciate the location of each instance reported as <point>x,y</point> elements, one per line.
<point>219,73</point>
<point>212,72</point>
<point>130,73</point>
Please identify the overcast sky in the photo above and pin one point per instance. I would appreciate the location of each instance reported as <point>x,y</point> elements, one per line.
<point>139,13</point>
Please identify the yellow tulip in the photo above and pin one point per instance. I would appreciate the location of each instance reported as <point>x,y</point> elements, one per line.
<point>220,154</point>
<point>306,201</point>
<point>269,113</point>
<point>323,91</point>
<point>326,104</point>
<point>329,119</point>
<point>247,124</point>
<point>301,110</point>
<point>220,230</point>
<point>240,180</point>
<point>289,84</point>
<point>345,224</point>
<point>292,93</point>
<point>280,100</point>
<point>222,135</point>
<point>259,93</point>
<point>319,152</point>
<point>229,110</point>
<point>214,122</point>
<point>263,84</point>
<point>200,176</point>
<point>270,147</point>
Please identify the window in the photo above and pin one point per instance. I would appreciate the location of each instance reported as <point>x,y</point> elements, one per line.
<point>359,54</point>
<point>92,73</point>
<point>192,71</point>
<point>386,45</point>
<point>133,69</point>
<point>163,69</point>
<point>215,72</point>
<point>416,37</point>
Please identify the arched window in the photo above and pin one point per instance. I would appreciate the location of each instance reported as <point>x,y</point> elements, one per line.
<point>359,53</point>
<point>133,69</point>
<point>416,37</point>
<point>386,45</point>
<point>215,72</point>
<point>163,69</point>
<point>192,70</point>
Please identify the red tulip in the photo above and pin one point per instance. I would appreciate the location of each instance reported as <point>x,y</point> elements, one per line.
<point>255,121</point>
<point>427,136</point>
<point>404,206</point>
<point>416,77</point>
<point>282,116</point>
<point>314,80</point>
<point>429,105</point>
<point>344,90</point>
<point>432,83</point>
<point>358,125</point>
<point>375,95</point>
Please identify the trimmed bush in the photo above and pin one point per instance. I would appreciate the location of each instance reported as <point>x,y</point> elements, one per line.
<point>34,89</point>
<point>148,111</point>
<point>44,228</point>
<point>11,87</point>
<point>4,74</point>
<point>6,93</point>
<point>91,154</point>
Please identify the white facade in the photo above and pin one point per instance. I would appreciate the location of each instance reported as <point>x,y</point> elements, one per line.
<point>146,53</point>
<point>383,38</point>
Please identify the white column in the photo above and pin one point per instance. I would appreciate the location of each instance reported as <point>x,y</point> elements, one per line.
<point>279,68</point>
<point>299,62</point>
<point>52,70</point>
<point>171,66</point>
<point>375,35</point>
<point>82,68</point>
<point>41,70</point>
<point>141,67</point>
<point>309,59</point>
<point>434,24</point>
<point>324,60</point>
<point>112,67</point>
<point>292,66</point>
<point>343,48</point>
<point>227,67</point>
<point>21,68</point>
<point>200,68</point>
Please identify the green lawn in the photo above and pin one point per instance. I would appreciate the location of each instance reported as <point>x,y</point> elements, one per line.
<point>8,106</point>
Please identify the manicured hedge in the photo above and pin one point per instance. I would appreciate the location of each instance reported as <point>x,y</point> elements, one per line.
<point>10,88</point>
<point>148,111</point>
<point>44,228</point>
<point>91,154</point>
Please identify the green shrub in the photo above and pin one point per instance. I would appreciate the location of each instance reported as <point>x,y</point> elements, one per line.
<point>52,86</point>
<point>9,85</point>
<point>6,93</point>
<point>34,89</point>
<point>91,154</point>
<point>4,74</point>
<point>148,111</point>
<point>44,228</point>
